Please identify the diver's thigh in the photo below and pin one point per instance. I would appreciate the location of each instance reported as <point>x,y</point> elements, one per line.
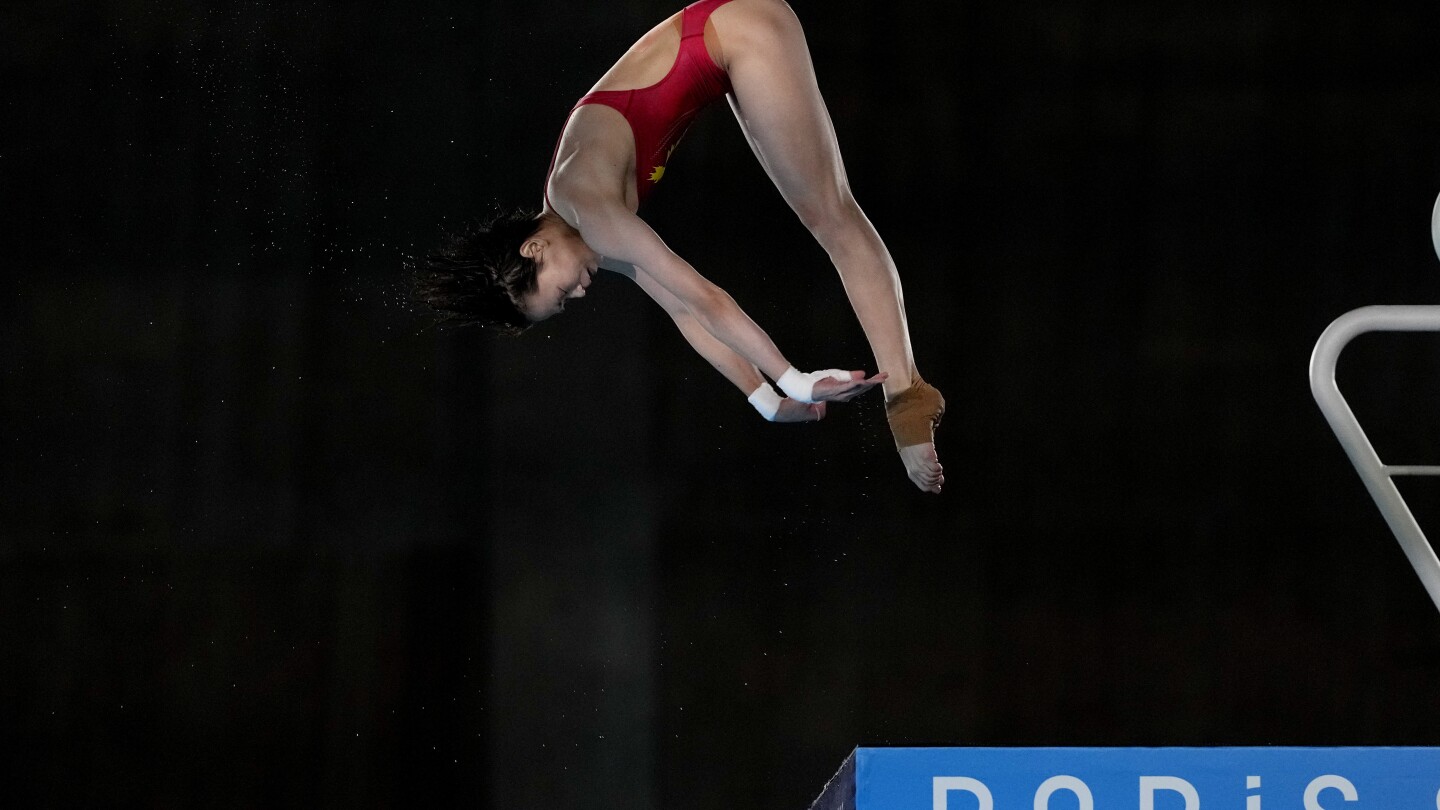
<point>776,97</point>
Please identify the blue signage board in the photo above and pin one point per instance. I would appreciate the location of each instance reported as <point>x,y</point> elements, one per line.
<point>1137,779</point>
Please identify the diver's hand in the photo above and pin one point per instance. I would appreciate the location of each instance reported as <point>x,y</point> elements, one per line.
<point>828,385</point>
<point>776,408</point>
<point>830,389</point>
<point>793,410</point>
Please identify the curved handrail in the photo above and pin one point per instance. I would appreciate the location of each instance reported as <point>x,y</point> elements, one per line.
<point>1376,475</point>
<point>1435,237</point>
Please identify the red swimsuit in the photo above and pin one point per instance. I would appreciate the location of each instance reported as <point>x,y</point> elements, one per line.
<point>660,114</point>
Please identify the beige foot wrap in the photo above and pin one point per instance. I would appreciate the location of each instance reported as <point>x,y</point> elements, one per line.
<point>915,413</point>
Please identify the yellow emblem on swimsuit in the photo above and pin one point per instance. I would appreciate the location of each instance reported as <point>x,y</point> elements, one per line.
<point>659,171</point>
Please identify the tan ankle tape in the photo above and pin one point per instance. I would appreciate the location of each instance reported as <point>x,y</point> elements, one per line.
<point>915,413</point>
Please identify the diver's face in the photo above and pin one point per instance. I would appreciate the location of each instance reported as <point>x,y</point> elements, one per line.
<point>564,268</point>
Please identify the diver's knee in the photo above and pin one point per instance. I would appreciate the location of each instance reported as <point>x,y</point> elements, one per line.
<point>830,217</point>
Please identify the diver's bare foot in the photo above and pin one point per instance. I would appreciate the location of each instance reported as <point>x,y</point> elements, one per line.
<point>913,415</point>
<point>923,466</point>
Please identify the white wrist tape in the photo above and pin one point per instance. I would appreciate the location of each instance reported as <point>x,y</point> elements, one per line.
<point>800,386</point>
<point>766,401</point>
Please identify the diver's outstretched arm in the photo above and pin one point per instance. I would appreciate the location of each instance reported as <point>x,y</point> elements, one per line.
<point>740,372</point>
<point>619,235</point>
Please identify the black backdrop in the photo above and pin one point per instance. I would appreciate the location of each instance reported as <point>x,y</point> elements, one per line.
<point>268,538</point>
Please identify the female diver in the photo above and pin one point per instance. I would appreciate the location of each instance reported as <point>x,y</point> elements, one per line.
<point>520,268</point>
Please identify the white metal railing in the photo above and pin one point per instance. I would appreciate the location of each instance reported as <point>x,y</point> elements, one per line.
<point>1435,239</point>
<point>1378,477</point>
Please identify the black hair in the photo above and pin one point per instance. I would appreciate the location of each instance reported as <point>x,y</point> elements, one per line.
<point>477,275</point>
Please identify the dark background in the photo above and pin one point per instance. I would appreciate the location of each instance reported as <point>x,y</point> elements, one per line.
<point>267,537</point>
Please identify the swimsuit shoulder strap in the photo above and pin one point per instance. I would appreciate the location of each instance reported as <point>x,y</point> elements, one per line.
<point>692,19</point>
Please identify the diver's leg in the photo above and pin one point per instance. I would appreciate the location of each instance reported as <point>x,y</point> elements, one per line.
<point>778,104</point>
